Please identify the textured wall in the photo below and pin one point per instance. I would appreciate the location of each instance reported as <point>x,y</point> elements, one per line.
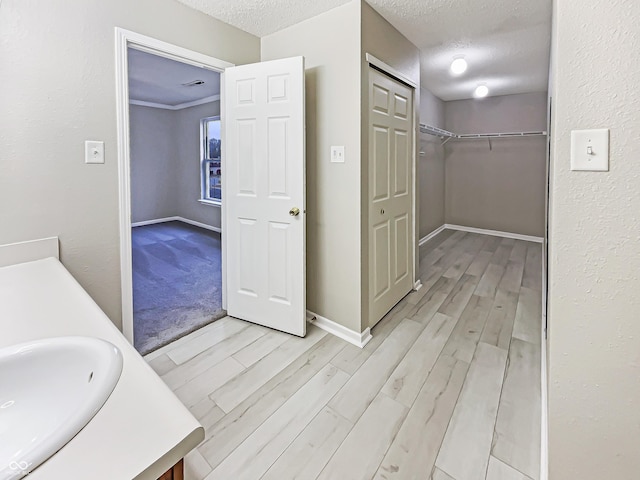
<point>333,193</point>
<point>431,169</point>
<point>594,265</point>
<point>57,72</point>
<point>502,188</point>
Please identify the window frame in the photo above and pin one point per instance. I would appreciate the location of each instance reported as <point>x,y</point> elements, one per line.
<point>205,160</point>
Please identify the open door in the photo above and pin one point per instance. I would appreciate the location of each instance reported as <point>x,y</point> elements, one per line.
<point>264,193</point>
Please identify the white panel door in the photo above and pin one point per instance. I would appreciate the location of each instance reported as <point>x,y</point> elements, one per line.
<point>390,193</point>
<point>264,193</point>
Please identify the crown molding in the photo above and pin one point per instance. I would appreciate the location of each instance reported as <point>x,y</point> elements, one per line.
<point>180,106</point>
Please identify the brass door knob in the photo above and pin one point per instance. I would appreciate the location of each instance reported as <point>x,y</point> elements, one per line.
<point>294,212</point>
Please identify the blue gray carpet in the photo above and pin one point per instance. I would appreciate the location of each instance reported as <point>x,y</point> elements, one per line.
<point>177,282</point>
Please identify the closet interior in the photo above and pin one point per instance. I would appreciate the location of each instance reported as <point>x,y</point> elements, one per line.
<point>482,164</point>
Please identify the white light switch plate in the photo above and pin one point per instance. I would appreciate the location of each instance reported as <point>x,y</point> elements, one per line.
<point>93,151</point>
<point>590,150</point>
<point>337,154</point>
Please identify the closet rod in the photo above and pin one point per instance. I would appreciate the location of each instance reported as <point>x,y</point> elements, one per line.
<point>500,135</point>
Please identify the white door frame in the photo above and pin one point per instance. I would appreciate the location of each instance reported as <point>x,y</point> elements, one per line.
<point>392,72</point>
<point>125,39</point>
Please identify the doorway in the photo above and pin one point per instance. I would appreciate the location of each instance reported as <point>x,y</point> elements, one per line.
<point>175,198</point>
<point>265,114</point>
<point>166,258</point>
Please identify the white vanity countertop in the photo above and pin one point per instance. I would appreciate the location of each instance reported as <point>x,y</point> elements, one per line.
<point>143,429</point>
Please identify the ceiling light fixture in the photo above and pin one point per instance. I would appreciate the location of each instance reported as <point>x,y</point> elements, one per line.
<point>459,65</point>
<point>481,91</point>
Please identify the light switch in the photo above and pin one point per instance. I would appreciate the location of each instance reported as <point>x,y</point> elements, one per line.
<point>93,152</point>
<point>337,154</point>
<point>590,150</point>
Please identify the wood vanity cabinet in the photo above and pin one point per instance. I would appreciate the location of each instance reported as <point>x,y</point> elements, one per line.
<point>174,473</point>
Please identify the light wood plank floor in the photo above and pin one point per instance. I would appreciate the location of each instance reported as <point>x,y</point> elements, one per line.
<point>448,388</point>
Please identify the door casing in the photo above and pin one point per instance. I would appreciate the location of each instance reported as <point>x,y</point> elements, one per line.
<point>125,39</point>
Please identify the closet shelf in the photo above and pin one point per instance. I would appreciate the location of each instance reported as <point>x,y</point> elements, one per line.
<point>446,135</point>
<point>431,130</point>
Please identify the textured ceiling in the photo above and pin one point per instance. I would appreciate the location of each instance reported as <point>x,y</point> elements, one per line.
<point>505,42</point>
<point>159,80</point>
<point>262,17</point>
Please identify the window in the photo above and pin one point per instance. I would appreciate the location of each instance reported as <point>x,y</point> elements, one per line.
<point>211,161</point>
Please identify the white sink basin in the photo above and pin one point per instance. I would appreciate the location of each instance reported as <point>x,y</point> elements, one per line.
<point>49,390</point>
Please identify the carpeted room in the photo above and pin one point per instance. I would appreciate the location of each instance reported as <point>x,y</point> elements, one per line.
<point>175,200</point>
<point>176,282</point>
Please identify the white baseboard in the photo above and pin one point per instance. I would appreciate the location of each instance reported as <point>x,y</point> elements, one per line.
<point>199,224</point>
<point>29,251</point>
<point>178,219</point>
<point>428,237</point>
<point>340,331</point>
<point>496,233</point>
<point>153,222</point>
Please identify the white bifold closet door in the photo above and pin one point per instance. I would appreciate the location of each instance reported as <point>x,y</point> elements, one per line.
<point>390,193</point>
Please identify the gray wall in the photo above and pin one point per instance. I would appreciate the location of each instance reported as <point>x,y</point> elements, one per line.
<point>337,253</point>
<point>382,40</point>
<point>58,90</point>
<point>502,188</point>
<point>165,164</point>
<point>594,246</point>
<point>153,147</point>
<point>332,82</point>
<point>431,166</point>
<point>187,171</point>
